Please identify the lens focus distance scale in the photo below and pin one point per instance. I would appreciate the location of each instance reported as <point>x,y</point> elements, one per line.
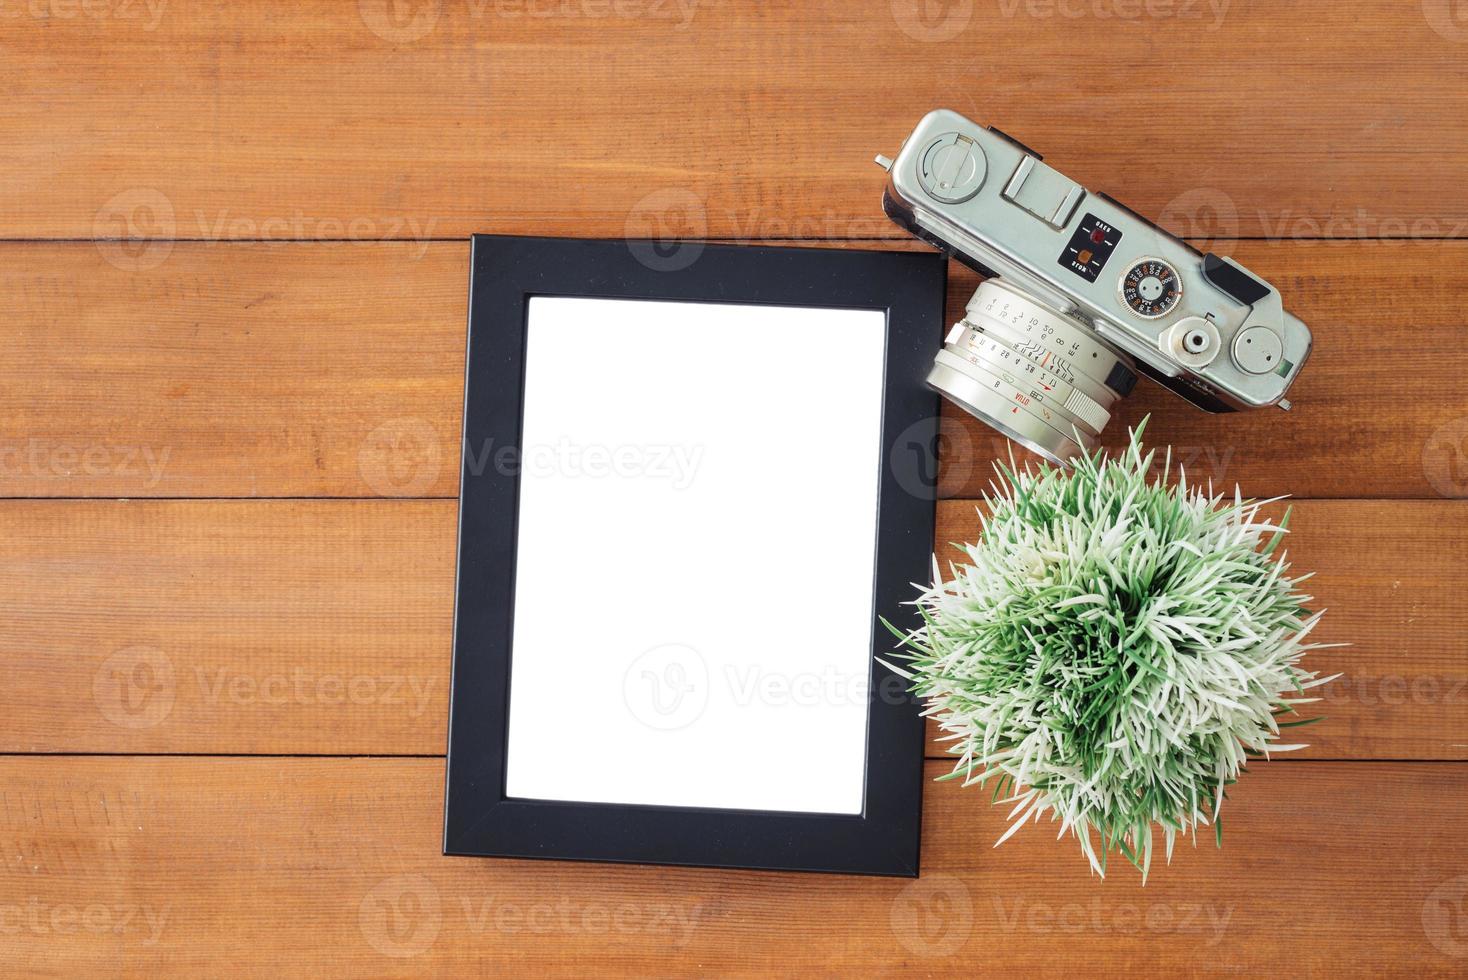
<point>1060,387</point>
<point>1029,371</point>
<point>1045,336</point>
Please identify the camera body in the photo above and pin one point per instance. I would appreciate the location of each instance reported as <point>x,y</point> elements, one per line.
<point>1087,291</point>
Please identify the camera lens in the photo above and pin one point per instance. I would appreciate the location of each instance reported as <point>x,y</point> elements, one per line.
<point>1031,372</point>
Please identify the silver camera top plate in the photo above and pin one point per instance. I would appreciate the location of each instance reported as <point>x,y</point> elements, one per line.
<point>1202,325</point>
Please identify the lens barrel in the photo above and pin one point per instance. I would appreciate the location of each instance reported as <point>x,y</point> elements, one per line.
<point>1031,372</point>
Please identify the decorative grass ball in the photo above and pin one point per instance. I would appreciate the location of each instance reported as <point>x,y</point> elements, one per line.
<point>1113,651</point>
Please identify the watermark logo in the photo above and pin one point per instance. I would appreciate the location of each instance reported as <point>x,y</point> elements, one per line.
<point>134,688</point>
<point>664,229</point>
<point>933,915</point>
<point>401,915</point>
<point>1206,216</point>
<point>920,449</point>
<point>667,687</point>
<point>134,230</point>
<point>1449,18</point>
<point>400,458</point>
<point>1445,917</point>
<point>932,21</point>
<point>399,21</point>
<point>1445,458</point>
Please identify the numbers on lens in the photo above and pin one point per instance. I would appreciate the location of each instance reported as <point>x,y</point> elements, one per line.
<point>1151,288</point>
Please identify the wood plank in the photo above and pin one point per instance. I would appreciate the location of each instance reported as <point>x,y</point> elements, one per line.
<point>239,626</point>
<point>324,626</point>
<point>1386,572</point>
<point>135,866</point>
<point>322,120</point>
<point>1340,414</point>
<point>235,371</point>
<point>284,370</point>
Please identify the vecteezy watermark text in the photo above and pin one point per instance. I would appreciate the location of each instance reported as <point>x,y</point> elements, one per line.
<point>676,922</point>
<point>46,920</point>
<point>676,464</point>
<point>138,687</point>
<point>668,687</point>
<point>1096,916</point>
<point>298,226</point>
<point>300,686</point>
<point>934,915</point>
<point>403,457</point>
<point>406,21</point>
<point>1123,10</point>
<point>144,14</point>
<point>135,229</point>
<point>47,459</point>
<point>1396,690</point>
<point>401,916</point>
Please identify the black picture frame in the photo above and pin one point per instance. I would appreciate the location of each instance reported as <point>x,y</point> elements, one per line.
<point>479,819</point>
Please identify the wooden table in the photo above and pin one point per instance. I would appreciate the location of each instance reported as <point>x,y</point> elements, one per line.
<point>235,268</point>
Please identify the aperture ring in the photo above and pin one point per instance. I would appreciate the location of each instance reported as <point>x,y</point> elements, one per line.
<point>1094,400</point>
<point>995,409</point>
<point>1016,399</point>
<point>1049,339</point>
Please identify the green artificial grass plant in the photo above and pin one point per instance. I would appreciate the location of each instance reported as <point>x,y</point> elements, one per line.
<point>1113,651</point>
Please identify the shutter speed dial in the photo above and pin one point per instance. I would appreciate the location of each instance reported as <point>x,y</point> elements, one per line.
<point>1150,288</point>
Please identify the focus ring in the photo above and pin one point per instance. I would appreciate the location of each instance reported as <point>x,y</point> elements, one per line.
<point>1045,336</point>
<point>1015,400</point>
<point>991,407</point>
<point>989,349</point>
<point>1038,376</point>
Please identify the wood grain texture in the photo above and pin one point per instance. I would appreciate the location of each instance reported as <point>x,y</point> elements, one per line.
<point>1347,435</point>
<point>324,120</point>
<point>285,370</point>
<point>1389,575</point>
<point>229,627</point>
<point>233,259</point>
<point>324,627</point>
<point>136,867</point>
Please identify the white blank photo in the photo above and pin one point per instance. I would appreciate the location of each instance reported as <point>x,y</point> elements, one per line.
<point>695,555</point>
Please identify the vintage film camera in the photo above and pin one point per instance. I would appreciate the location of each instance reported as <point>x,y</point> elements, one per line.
<point>1084,293</point>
